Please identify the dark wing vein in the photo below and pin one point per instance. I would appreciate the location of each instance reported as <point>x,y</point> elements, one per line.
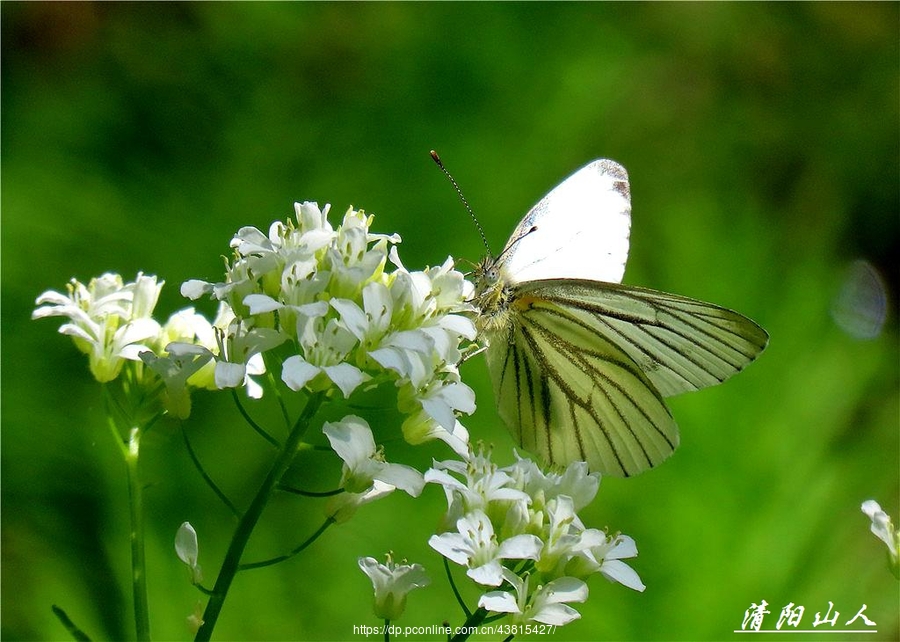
<point>681,344</point>
<point>571,393</point>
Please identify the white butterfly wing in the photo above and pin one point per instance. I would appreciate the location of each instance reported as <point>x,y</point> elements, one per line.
<point>583,368</point>
<point>578,231</point>
<point>680,344</point>
<point>568,394</point>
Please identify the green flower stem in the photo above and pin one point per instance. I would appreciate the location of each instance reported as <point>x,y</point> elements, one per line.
<point>281,558</point>
<point>76,633</point>
<point>251,517</point>
<point>130,453</point>
<point>473,620</point>
<point>138,565</point>
<point>459,598</point>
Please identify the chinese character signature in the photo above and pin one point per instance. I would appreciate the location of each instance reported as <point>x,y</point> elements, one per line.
<point>791,615</point>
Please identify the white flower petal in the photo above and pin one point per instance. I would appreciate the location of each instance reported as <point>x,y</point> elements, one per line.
<point>441,412</point>
<point>194,289</point>
<point>256,365</point>
<point>378,304</point>
<point>351,438</point>
<point>490,574</point>
<point>313,310</point>
<point>254,390</point>
<point>260,303</point>
<point>414,340</point>
<point>617,571</point>
<point>54,298</point>
<point>405,478</point>
<point>343,506</point>
<point>463,326</point>
<point>499,602</point>
<point>521,547</point>
<point>77,331</point>
<point>453,546</point>
<point>133,352</point>
<point>229,375</point>
<point>186,544</point>
<point>434,476</point>
<point>346,377</point>
<point>566,589</point>
<point>458,440</point>
<point>624,548</point>
<point>881,524</point>
<point>250,239</point>
<point>353,317</point>
<point>556,614</point>
<point>459,396</point>
<point>297,372</point>
<point>392,359</point>
<point>181,349</point>
<point>137,330</point>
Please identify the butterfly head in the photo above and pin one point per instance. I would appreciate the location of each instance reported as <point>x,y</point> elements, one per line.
<point>492,294</point>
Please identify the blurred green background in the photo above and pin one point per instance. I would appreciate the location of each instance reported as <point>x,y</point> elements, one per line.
<point>762,144</point>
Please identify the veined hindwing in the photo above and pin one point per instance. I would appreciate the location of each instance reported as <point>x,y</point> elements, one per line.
<point>582,368</point>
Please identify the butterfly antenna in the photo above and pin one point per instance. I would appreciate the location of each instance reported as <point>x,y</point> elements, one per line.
<point>437,159</point>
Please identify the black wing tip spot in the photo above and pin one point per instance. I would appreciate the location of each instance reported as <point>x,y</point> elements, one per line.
<point>619,175</point>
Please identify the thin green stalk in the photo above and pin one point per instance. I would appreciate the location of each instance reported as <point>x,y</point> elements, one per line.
<point>259,429</point>
<point>251,517</point>
<point>459,598</point>
<point>474,620</point>
<point>281,558</point>
<point>138,564</point>
<point>130,453</point>
<point>76,633</point>
<point>209,480</point>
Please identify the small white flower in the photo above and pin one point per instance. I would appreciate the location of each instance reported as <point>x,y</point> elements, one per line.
<point>883,529</point>
<point>109,320</point>
<point>343,506</point>
<point>430,409</point>
<point>352,262</point>
<point>577,482</point>
<point>240,356</point>
<point>371,323</point>
<point>351,438</point>
<point>325,346</point>
<point>188,326</point>
<point>564,539</point>
<point>546,604</point>
<point>419,427</point>
<point>187,549</point>
<point>475,545</point>
<point>482,485</point>
<point>606,558</point>
<point>392,583</point>
<point>181,363</point>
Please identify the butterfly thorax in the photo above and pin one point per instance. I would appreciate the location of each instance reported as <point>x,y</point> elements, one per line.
<point>493,293</point>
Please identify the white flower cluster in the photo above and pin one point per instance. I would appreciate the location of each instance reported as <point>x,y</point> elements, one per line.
<point>111,321</point>
<point>325,292</point>
<point>516,528</point>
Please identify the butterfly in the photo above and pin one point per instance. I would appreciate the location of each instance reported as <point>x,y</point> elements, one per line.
<point>581,364</point>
